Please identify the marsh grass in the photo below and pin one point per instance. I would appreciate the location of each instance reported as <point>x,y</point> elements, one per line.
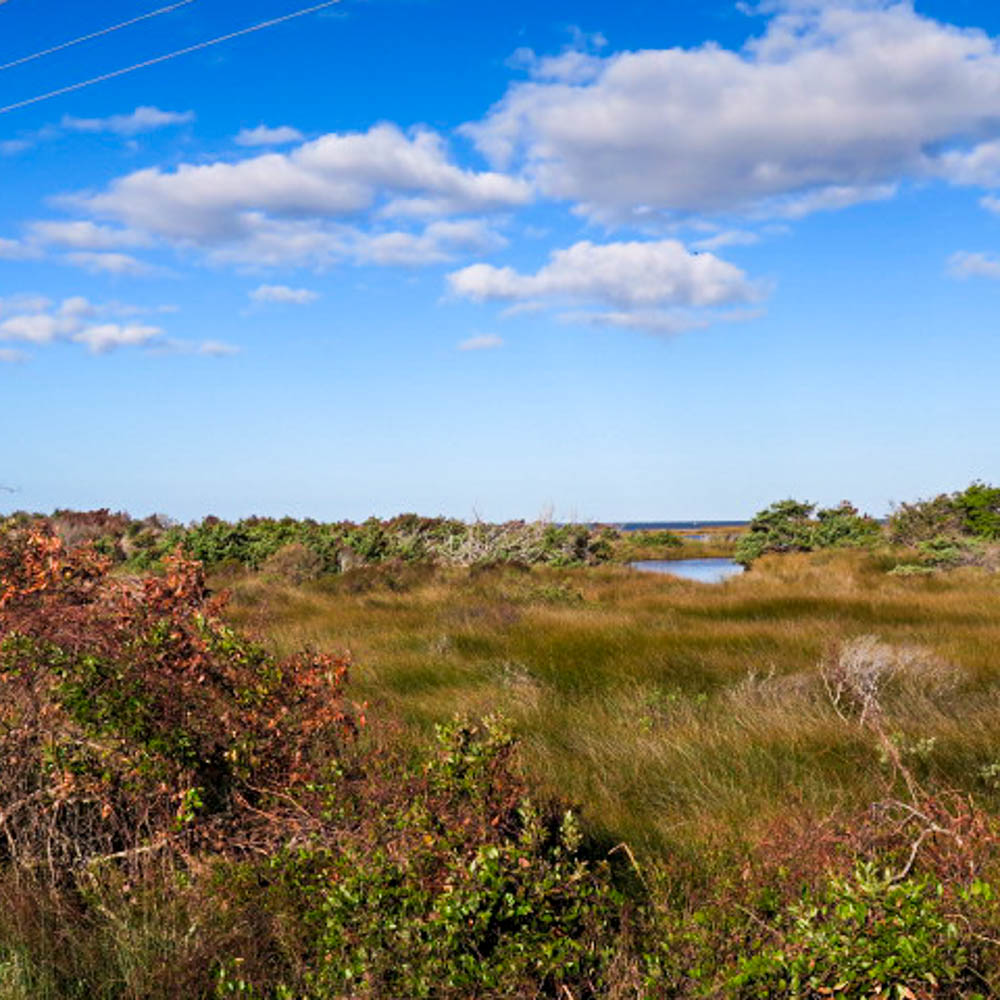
<point>675,712</point>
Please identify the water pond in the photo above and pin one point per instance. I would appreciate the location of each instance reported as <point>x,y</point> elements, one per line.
<point>701,570</point>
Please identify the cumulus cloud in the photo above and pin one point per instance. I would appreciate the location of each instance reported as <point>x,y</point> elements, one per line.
<point>105,337</point>
<point>481,342</point>
<point>264,136</point>
<point>832,104</point>
<point>331,180</point>
<point>144,119</point>
<point>284,294</point>
<point>76,320</point>
<point>964,264</point>
<point>630,274</point>
<point>39,328</point>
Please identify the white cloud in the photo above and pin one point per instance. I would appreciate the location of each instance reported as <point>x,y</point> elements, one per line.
<point>77,320</point>
<point>964,264</point>
<point>230,207</point>
<point>264,136</point>
<point>831,198</point>
<point>481,342</point>
<point>660,322</point>
<point>41,323</point>
<point>217,349</point>
<point>12,356</point>
<point>16,250</point>
<point>991,203</point>
<point>107,337</point>
<point>38,328</point>
<point>979,165</point>
<point>832,104</point>
<point>85,235</point>
<point>24,304</point>
<point>11,147</point>
<point>727,238</point>
<point>439,241</point>
<point>631,275</point>
<point>522,309</point>
<point>284,294</point>
<point>143,119</point>
<point>119,264</point>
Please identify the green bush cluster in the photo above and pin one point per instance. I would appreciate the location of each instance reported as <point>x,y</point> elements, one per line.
<point>794,526</point>
<point>452,889</point>
<point>869,935</point>
<point>970,513</point>
<point>304,549</point>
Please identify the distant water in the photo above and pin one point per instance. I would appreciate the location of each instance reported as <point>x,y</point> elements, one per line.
<point>700,570</point>
<point>675,525</point>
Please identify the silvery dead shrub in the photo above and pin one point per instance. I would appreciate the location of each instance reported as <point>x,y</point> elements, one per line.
<point>859,673</point>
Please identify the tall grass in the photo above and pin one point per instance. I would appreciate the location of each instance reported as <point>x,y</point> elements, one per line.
<point>676,712</point>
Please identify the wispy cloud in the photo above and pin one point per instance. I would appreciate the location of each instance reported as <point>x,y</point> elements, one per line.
<point>481,342</point>
<point>16,250</point>
<point>964,264</point>
<point>727,238</point>
<point>284,294</point>
<point>144,119</point>
<point>262,135</point>
<point>118,264</point>
<point>85,235</point>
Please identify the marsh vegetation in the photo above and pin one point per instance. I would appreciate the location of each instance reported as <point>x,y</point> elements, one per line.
<point>500,777</point>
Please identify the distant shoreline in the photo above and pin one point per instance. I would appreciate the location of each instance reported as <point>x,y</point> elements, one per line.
<point>675,525</point>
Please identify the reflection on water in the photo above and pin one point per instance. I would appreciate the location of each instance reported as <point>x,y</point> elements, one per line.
<point>701,570</point>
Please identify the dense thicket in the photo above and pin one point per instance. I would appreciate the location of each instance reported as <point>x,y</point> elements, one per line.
<point>305,548</point>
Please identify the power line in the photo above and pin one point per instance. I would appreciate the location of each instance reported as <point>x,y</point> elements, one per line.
<point>169,55</point>
<point>93,34</point>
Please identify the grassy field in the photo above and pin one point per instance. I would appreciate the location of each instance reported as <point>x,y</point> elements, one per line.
<point>677,714</point>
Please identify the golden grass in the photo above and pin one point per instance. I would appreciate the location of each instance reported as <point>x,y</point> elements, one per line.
<point>672,711</point>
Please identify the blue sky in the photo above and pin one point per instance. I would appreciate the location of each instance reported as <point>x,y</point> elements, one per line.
<point>630,261</point>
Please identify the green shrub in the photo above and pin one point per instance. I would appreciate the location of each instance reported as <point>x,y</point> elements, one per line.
<point>790,526</point>
<point>865,936</point>
<point>439,878</point>
<point>973,513</point>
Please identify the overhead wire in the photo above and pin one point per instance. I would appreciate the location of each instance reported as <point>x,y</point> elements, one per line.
<point>169,55</point>
<point>94,34</point>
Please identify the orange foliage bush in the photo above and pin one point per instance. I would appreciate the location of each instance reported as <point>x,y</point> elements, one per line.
<point>132,719</point>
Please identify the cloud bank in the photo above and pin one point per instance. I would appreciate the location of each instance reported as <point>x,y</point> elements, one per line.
<point>830,106</point>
